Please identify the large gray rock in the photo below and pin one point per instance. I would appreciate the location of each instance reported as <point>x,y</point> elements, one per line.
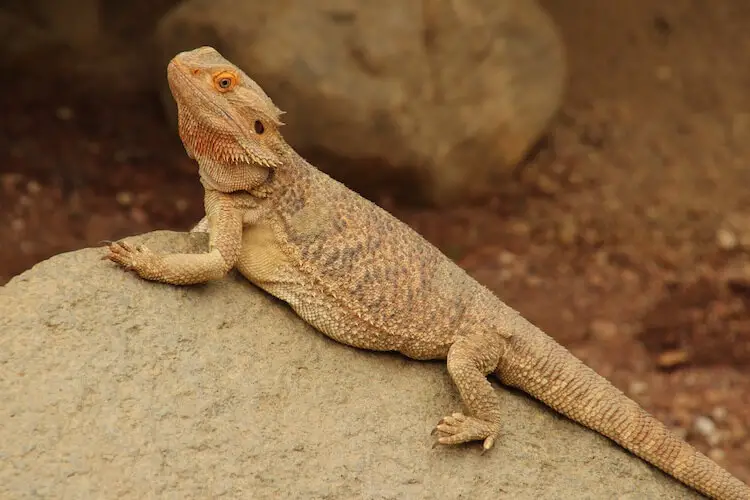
<point>112,387</point>
<point>450,93</point>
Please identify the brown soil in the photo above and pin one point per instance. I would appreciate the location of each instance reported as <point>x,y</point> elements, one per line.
<point>612,239</point>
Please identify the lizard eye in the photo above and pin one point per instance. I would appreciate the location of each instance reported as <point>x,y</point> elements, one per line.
<point>225,81</point>
<point>259,128</point>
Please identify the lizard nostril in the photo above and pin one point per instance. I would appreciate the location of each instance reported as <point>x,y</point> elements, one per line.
<point>196,71</point>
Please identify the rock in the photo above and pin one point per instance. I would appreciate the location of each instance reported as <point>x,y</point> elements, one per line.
<point>734,232</point>
<point>726,239</point>
<point>717,454</point>
<point>672,358</point>
<point>736,274</point>
<point>567,230</point>
<point>637,387</point>
<point>719,414</point>
<point>706,428</point>
<point>603,330</point>
<point>447,94</point>
<point>113,386</point>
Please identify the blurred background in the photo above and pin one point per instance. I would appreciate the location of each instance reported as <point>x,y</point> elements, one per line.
<point>586,160</point>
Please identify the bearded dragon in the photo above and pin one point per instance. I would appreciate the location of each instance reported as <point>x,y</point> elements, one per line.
<point>363,278</point>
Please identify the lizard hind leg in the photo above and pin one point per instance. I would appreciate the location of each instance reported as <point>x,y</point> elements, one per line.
<point>469,363</point>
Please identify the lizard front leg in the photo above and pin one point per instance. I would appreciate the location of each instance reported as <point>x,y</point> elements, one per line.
<point>470,360</point>
<point>188,269</point>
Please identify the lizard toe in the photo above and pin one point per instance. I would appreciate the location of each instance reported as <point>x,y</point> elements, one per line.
<point>124,254</point>
<point>459,428</point>
<point>119,259</point>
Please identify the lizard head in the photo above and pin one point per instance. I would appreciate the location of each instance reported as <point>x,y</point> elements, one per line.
<point>224,116</point>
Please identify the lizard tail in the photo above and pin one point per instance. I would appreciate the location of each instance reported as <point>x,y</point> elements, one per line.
<point>541,367</point>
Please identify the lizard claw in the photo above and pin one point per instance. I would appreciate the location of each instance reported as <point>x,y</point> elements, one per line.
<point>459,428</point>
<point>105,242</point>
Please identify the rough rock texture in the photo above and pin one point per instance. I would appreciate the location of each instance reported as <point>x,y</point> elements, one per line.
<point>450,92</point>
<point>112,387</point>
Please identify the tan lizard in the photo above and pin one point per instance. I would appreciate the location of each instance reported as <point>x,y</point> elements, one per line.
<point>363,278</point>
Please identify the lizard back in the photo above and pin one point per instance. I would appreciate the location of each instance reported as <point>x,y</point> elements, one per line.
<point>357,273</point>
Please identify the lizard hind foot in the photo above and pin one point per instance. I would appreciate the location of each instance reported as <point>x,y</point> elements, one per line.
<point>459,428</point>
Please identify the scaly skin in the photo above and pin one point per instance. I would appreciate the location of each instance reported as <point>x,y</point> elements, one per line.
<point>365,279</point>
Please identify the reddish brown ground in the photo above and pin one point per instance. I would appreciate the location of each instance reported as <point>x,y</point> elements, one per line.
<point>599,241</point>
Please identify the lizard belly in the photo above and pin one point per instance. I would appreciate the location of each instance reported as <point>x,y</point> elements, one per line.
<point>261,260</point>
<point>264,263</point>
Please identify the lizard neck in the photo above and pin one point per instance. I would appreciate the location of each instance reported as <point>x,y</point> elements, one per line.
<point>228,178</point>
<point>286,187</point>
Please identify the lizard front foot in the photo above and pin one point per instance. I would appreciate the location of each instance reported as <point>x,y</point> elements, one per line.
<point>133,258</point>
<point>459,428</point>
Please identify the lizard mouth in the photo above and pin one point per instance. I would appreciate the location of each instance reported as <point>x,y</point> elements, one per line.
<point>186,92</point>
<point>177,71</point>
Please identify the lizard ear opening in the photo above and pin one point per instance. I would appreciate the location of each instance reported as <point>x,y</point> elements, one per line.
<point>255,136</point>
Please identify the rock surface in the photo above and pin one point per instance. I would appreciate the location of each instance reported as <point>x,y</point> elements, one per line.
<point>111,387</point>
<point>450,94</point>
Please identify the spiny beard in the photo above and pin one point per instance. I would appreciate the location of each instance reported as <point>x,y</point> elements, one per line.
<point>209,141</point>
